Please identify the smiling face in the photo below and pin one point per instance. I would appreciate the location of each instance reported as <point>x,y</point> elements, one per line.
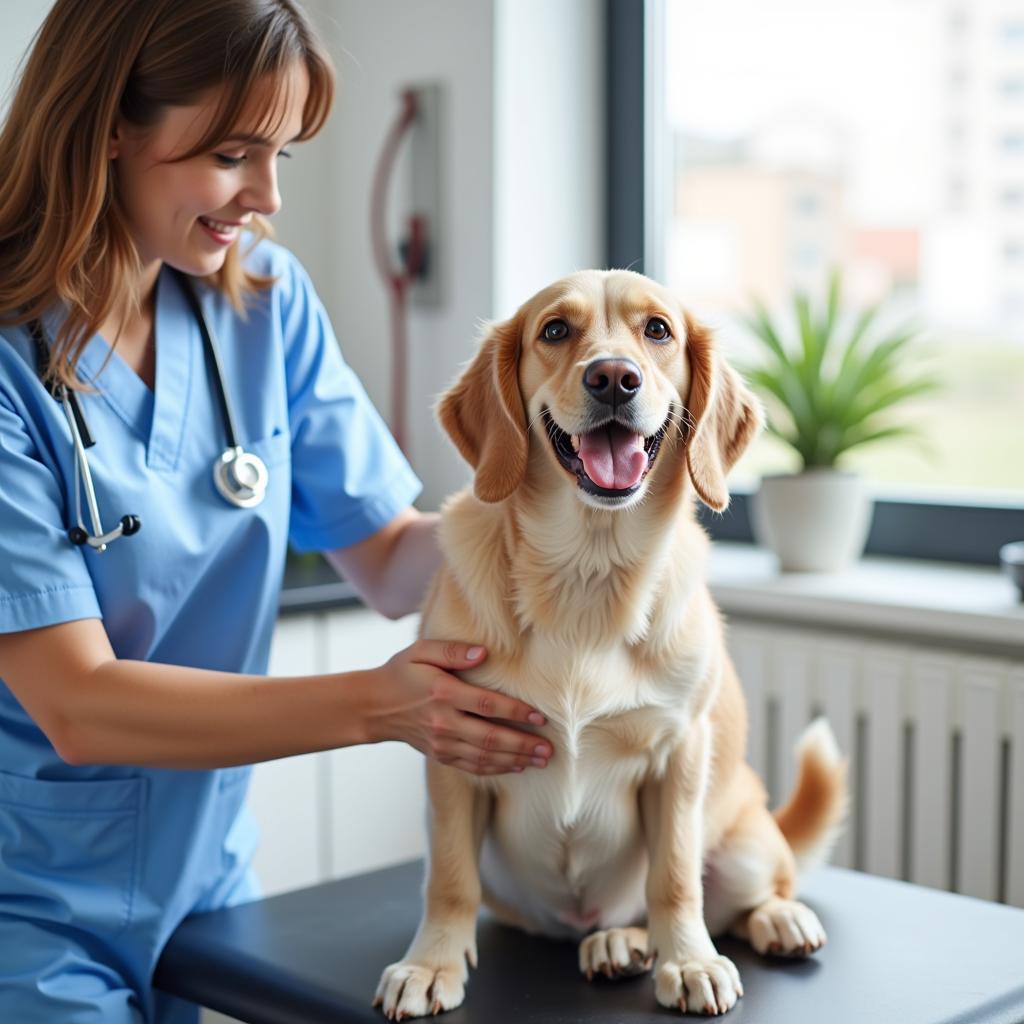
<point>189,212</point>
<point>604,377</point>
<point>594,384</point>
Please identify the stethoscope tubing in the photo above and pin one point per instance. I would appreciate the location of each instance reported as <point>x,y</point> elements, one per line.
<point>210,347</point>
<point>240,477</point>
<point>84,474</point>
<point>243,491</point>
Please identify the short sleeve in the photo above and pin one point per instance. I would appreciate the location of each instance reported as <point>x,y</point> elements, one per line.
<point>43,576</point>
<point>349,477</point>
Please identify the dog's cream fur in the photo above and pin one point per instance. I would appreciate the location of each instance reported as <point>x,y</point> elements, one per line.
<point>647,832</point>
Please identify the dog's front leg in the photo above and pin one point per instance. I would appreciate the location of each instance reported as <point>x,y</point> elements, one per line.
<point>690,974</point>
<point>431,977</point>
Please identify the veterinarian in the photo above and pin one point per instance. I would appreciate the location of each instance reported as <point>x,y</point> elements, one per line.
<point>173,411</point>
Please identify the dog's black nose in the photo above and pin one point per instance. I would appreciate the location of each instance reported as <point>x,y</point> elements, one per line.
<point>613,382</point>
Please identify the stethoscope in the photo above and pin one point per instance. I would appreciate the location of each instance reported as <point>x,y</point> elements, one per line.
<point>240,477</point>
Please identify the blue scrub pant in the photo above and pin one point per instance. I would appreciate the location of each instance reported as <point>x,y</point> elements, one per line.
<point>95,876</point>
<point>57,974</point>
<point>52,974</point>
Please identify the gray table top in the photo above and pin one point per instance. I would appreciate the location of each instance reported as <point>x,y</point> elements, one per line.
<point>896,953</point>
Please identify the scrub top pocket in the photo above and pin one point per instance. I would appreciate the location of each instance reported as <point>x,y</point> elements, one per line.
<point>69,850</point>
<point>273,450</point>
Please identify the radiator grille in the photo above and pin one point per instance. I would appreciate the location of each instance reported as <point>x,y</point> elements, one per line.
<point>936,747</point>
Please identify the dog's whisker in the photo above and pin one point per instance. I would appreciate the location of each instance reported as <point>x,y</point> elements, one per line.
<point>675,420</point>
<point>683,421</point>
<point>529,426</point>
<point>683,414</point>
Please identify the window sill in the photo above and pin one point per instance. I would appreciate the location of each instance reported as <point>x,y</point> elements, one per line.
<point>945,603</point>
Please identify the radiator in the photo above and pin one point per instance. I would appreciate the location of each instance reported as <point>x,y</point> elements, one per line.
<point>935,740</point>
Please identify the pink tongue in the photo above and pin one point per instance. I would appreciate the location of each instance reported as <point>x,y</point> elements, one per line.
<point>613,457</point>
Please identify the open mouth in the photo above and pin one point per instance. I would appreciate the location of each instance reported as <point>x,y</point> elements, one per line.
<point>609,461</point>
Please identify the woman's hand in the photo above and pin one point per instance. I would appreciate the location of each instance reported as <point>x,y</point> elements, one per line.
<point>416,699</point>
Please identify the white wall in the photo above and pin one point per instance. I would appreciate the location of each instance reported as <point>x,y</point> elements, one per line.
<point>19,22</point>
<point>522,179</point>
<point>378,48</point>
<point>549,144</point>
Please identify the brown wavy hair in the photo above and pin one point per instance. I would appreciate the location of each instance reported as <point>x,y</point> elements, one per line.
<point>63,235</point>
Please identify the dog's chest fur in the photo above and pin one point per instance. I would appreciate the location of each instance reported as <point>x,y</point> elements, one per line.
<point>597,628</point>
<point>607,708</point>
<point>604,640</point>
<point>565,844</point>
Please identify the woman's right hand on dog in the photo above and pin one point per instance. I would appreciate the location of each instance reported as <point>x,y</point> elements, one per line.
<point>416,698</point>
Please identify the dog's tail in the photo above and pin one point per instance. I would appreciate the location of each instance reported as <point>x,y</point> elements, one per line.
<point>812,818</point>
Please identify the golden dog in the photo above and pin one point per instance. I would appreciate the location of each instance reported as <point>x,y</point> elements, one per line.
<point>577,561</point>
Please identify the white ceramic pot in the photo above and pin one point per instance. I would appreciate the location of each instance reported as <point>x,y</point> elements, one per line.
<point>815,521</point>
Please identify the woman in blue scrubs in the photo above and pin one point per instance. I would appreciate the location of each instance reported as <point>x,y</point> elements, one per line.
<point>136,166</point>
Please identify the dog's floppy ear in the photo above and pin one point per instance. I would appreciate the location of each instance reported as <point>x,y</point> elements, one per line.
<point>724,417</point>
<point>483,414</point>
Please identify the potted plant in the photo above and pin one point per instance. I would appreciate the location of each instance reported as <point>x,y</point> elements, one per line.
<point>826,395</point>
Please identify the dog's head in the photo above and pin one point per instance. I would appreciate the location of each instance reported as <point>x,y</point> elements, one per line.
<point>602,368</point>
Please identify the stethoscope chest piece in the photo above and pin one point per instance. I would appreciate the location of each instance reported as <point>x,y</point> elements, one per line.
<point>241,477</point>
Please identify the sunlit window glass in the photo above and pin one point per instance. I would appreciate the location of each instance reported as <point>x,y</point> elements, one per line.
<point>884,139</point>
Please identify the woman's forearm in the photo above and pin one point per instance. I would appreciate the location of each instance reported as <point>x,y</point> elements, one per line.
<point>392,568</point>
<point>415,558</point>
<point>97,709</point>
<point>166,716</point>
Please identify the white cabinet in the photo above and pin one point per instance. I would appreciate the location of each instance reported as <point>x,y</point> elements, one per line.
<point>339,812</point>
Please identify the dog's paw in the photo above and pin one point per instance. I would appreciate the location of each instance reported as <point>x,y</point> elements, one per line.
<point>414,990</point>
<point>785,928</point>
<point>708,985</point>
<point>615,953</point>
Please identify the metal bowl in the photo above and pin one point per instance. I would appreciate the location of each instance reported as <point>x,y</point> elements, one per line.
<point>1011,558</point>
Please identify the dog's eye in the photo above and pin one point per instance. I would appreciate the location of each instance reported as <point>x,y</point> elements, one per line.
<point>657,329</point>
<point>557,330</point>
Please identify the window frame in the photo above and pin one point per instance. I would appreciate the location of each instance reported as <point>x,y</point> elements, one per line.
<point>955,531</point>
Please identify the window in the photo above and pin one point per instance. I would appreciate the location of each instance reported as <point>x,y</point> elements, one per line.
<point>1012,197</point>
<point>777,158</point>
<point>1011,30</point>
<point>1012,143</point>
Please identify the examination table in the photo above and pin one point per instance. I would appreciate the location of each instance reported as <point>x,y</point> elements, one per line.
<point>897,954</point>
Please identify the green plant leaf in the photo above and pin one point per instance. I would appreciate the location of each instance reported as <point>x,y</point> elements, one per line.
<point>857,438</point>
<point>783,385</point>
<point>781,375</point>
<point>811,347</point>
<point>876,363</point>
<point>772,383</point>
<point>782,435</point>
<point>828,325</point>
<point>889,396</point>
<point>760,323</point>
<point>851,350</point>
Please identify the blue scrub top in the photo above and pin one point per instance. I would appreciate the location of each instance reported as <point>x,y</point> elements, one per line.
<point>117,848</point>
